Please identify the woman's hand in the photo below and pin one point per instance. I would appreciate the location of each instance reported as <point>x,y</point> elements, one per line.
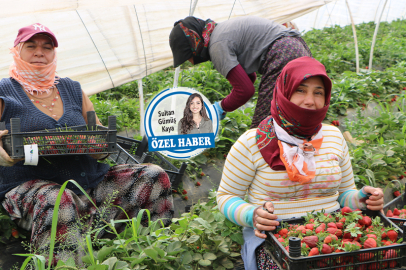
<point>264,220</point>
<point>375,201</point>
<point>5,159</point>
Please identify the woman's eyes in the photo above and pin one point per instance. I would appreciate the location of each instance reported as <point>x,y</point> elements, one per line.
<point>320,93</point>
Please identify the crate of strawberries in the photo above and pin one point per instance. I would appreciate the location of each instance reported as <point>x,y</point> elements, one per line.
<point>76,140</point>
<point>341,240</point>
<point>395,210</point>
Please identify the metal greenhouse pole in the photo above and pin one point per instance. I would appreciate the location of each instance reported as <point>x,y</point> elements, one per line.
<point>374,38</point>
<point>140,88</point>
<point>355,37</point>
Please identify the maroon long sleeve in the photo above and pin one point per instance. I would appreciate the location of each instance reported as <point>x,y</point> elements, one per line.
<point>243,88</point>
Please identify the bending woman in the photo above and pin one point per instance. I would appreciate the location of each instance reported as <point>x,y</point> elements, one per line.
<point>195,119</point>
<point>35,94</point>
<point>238,48</point>
<point>291,164</point>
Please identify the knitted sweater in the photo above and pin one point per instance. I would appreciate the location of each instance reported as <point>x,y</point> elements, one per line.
<point>245,171</point>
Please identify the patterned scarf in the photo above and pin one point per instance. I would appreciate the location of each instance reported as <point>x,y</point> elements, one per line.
<point>298,122</point>
<point>190,38</point>
<point>33,78</point>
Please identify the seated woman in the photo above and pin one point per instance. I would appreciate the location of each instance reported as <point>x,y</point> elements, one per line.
<point>195,119</point>
<point>291,164</point>
<point>42,100</point>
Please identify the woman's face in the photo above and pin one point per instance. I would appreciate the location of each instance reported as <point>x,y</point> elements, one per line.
<point>196,105</point>
<point>38,50</point>
<point>310,94</point>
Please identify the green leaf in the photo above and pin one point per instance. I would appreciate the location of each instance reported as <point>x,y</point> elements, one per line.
<point>204,262</point>
<point>227,263</point>
<point>110,262</point>
<point>193,238</point>
<point>209,256</point>
<point>174,246</point>
<point>152,253</point>
<point>238,238</point>
<point>207,216</point>
<point>98,267</point>
<point>197,257</point>
<point>186,257</point>
<point>103,252</point>
<point>160,251</point>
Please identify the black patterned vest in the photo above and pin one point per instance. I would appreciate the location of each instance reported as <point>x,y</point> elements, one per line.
<point>81,168</point>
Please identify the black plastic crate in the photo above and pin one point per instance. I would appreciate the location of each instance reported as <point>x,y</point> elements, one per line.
<point>76,140</point>
<point>399,203</point>
<point>131,151</point>
<point>354,260</point>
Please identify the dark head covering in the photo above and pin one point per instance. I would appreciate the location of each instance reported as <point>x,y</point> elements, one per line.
<point>190,38</point>
<point>296,121</point>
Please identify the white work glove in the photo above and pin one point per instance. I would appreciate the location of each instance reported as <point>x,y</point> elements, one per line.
<point>5,159</point>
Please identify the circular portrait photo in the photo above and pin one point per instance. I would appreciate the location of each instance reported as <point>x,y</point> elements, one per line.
<point>195,119</point>
<point>180,123</point>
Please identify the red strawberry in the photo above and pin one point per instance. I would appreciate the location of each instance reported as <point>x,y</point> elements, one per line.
<point>202,174</point>
<point>396,212</point>
<point>326,249</point>
<point>327,240</point>
<point>366,67</point>
<point>321,228</point>
<point>174,191</point>
<point>314,251</point>
<point>310,226</point>
<point>363,257</point>
<point>372,236</point>
<point>390,254</point>
<point>225,156</point>
<point>396,193</point>
<point>401,177</point>
<point>389,213</point>
<point>332,230</point>
<point>339,225</point>
<point>283,232</point>
<point>392,235</point>
<point>346,210</point>
<point>186,198</point>
<point>331,225</point>
<point>338,233</point>
<point>347,235</point>
<point>198,184</point>
<point>367,221</point>
<point>311,241</point>
<point>281,240</point>
<point>276,235</point>
<point>184,192</point>
<point>404,88</point>
<point>370,243</point>
<point>14,232</point>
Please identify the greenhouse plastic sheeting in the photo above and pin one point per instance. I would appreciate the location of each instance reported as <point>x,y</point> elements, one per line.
<point>103,44</point>
<point>336,13</point>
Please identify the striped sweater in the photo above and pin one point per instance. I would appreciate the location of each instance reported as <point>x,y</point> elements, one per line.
<point>247,173</point>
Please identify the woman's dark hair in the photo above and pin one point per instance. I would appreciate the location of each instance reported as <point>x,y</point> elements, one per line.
<point>187,120</point>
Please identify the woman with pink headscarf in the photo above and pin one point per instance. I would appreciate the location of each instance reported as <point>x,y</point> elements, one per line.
<point>42,100</point>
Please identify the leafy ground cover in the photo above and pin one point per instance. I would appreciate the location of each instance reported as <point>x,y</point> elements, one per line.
<point>203,237</point>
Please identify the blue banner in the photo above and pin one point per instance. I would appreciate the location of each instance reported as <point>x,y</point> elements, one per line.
<point>181,142</point>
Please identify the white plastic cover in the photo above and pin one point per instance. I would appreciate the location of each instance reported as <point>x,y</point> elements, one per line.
<point>105,43</point>
<point>336,13</point>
